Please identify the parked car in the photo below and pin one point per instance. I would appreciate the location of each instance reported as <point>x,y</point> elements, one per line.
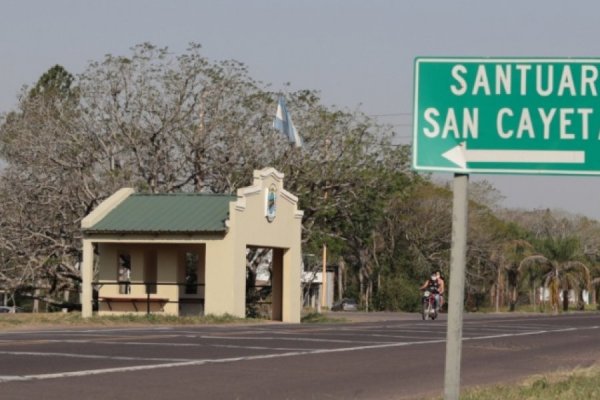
<point>7,309</point>
<point>345,305</point>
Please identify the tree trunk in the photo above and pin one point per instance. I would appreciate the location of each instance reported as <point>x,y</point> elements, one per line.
<point>36,302</point>
<point>361,288</point>
<point>580,300</point>
<point>554,298</point>
<point>369,293</point>
<point>565,300</point>
<point>498,278</point>
<point>513,299</point>
<point>367,298</point>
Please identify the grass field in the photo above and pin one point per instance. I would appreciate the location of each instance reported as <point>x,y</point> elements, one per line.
<point>579,384</point>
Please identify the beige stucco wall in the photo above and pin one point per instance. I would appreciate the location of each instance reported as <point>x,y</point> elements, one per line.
<point>221,286</point>
<point>108,274</point>
<point>169,268</point>
<point>250,227</point>
<point>167,260</point>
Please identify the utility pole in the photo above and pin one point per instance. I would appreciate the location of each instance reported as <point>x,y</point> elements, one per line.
<point>324,279</point>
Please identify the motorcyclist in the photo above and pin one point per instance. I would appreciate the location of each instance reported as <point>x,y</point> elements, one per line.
<point>442,288</point>
<point>433,285</point>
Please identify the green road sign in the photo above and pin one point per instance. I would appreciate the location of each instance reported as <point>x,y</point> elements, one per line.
<point>503,115</point>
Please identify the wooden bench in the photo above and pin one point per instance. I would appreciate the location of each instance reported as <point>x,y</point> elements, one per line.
<point>134,301</point>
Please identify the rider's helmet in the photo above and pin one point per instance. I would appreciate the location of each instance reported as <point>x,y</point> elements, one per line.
<point>434,277</point>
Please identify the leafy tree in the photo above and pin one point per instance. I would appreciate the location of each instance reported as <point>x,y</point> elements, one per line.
<point>56,84</point>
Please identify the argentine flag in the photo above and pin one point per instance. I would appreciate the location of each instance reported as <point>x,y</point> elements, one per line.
<point>283,123</point>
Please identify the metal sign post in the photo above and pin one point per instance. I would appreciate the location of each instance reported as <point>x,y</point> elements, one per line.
<point>456,295</point>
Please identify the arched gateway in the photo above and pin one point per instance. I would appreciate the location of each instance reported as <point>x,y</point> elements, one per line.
<point>186,253</point>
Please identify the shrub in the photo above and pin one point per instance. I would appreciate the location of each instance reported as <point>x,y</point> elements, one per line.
<point>398,294</point>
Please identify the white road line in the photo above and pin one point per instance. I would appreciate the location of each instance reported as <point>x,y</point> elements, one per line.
<point>160,344</point>
<point>531,320</point>
<point>509,328</point>
<point>299,339</point>
<point>232,346</point>
<point>150,344</point>
<point>503,335</point>
<point>131,329</point>
<point>90,356</point>
<point>402,336</point>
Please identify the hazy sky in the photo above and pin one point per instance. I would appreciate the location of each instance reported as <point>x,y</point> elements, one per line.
<point>358,54</point>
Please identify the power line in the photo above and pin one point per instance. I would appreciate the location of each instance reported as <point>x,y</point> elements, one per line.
<point>401,114</point>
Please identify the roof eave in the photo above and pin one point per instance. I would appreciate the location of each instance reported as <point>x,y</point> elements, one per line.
<point>154,233</point>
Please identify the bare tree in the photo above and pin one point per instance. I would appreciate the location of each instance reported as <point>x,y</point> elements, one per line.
<point>160,122</point>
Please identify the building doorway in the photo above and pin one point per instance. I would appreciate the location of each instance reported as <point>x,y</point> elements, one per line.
<point>264,283</point>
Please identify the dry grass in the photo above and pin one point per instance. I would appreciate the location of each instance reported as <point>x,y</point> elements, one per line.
<point>318,318</point>
<point>581,383</point>
<point>74,319</point>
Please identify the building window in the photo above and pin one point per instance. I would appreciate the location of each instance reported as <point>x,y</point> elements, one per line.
<point>191,273</point>
<point>124,273</point>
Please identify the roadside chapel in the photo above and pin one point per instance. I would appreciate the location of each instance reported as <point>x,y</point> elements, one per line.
<point>182,254</point>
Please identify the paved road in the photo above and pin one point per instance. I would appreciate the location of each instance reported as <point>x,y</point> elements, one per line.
<point>394,358</point>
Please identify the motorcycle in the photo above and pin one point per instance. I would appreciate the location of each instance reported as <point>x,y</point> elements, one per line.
<point>429,306</point>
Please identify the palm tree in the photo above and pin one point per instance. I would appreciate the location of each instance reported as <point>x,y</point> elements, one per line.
<point>532,275</point>
<point>506,258</point>
<point>595,280</point>
<point>559,269</point>
<point>595,284</point>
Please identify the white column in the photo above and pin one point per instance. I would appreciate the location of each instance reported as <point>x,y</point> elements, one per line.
<point>87,273</point>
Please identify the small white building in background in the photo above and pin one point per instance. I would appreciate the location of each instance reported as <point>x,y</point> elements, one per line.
<point>544,295</point>
<point>312,283</point>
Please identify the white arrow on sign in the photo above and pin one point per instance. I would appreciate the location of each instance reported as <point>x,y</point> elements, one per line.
<point>460,156</point>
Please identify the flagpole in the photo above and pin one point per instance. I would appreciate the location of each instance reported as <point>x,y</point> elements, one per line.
<point>284,124</point>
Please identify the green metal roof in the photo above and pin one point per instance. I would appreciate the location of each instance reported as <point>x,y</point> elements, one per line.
<point>167,213</point>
